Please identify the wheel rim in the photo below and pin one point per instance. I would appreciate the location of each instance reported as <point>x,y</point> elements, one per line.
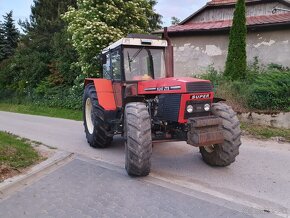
<point>209,148</point>
<point>89,121</point>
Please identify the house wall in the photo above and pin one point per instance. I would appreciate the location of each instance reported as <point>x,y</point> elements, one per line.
<point>193,54</point>
<point>227,13</point>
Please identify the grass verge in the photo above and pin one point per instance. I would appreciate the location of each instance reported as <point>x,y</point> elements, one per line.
<point>265,132</point>
<point>15,155</point>
<point>43,111</point>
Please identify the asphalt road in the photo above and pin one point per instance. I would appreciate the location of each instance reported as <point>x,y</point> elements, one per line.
<point>260,178</point>
<point>83,188</point>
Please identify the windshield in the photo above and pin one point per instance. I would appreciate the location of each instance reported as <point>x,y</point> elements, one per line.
<point>144,63</point>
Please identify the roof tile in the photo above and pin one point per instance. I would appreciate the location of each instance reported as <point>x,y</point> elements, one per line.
<point>222,24</point>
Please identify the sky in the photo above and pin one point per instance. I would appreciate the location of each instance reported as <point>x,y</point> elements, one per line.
<point>167,8</point>
<point>177,8</point>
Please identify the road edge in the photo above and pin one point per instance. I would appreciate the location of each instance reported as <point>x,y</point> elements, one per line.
<point>14,184</point>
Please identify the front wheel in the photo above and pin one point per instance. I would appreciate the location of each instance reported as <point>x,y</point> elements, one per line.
<point>224,154</point>
<point>96,128</point>
<point>138,139</point>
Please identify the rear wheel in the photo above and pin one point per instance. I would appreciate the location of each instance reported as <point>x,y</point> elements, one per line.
<point>224,154</point>
<point>96,128</point>
<point>138,139</point>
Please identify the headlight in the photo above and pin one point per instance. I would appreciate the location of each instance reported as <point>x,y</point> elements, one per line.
<point>189,109</point>
<point>207,107</point>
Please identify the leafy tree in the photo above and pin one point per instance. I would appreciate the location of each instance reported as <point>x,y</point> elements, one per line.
<point>175,20</point>
<point>97,23</point>
<point>236,63</point>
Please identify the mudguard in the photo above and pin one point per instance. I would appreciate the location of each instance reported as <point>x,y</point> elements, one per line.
<point>105,94</point>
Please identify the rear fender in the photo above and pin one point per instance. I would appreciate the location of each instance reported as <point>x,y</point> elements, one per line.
<point>105,94</point>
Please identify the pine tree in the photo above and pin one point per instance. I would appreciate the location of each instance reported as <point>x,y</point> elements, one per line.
<point>2,42</point>
<point>11,35</point>
<point>45,57</point>
<point>45,33</point>
<point>45,20</point>
<point>155,19</point>
<point>45,15</point>
<point>236,63</point>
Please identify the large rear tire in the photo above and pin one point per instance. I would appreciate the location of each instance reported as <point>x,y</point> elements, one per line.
<point>138,139</point>
<point>224,154</point>
<point>96,128</point>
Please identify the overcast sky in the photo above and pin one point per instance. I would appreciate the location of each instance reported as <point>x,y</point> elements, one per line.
<point>167,8</point>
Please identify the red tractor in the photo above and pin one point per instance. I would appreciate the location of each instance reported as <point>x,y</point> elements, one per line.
<point>139,98</point>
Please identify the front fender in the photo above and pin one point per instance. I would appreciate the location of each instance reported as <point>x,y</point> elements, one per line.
<point>105,94</point>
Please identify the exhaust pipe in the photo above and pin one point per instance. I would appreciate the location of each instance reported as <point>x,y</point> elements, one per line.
<point>169,61</point>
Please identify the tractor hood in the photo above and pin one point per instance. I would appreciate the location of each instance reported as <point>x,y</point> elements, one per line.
<point>174,85</point>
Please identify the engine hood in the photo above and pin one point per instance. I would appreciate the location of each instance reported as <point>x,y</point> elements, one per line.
<point>174,85</point>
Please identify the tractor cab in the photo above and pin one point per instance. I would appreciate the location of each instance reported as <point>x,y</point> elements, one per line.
<point>136,58</point>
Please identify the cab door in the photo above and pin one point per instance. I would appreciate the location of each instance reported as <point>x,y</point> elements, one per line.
<point>112,70</point>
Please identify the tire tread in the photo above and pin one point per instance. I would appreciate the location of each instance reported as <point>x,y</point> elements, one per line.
<point>101,137</point>
<point>225,154</point>
<point>138,144</point>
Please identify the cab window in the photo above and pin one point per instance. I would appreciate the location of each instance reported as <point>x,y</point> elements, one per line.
<point>116,65</point>
<point>144,63</point>
<point>107,66</point>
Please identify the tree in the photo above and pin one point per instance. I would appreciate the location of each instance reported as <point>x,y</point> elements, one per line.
<point>44,22</point>
<point>155,19</point>
<point>46,35</point>
<point>11,32</point>
<point>44,52</point>
<point>9,36</point>
<point>2,42</point>
<point>236,63</point>
<point>175,20</point>
<point>97,23</point>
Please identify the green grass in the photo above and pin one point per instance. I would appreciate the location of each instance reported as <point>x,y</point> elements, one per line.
<point>16,153</point>
<point>42,111</point>
<point>265,132</point>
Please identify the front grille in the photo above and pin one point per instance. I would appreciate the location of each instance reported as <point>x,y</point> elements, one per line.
<point>168,107</point>
<point>199,87</point>
<point>198,109</point>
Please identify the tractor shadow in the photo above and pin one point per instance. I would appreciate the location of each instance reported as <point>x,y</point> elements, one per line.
<point>179,158</point>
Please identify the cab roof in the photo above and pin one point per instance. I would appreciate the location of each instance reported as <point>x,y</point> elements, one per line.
<point>137,42</point>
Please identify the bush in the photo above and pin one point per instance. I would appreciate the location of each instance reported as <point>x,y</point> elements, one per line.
<point>264,88</point>
<point>56,97</point>
<point>270,91</point>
